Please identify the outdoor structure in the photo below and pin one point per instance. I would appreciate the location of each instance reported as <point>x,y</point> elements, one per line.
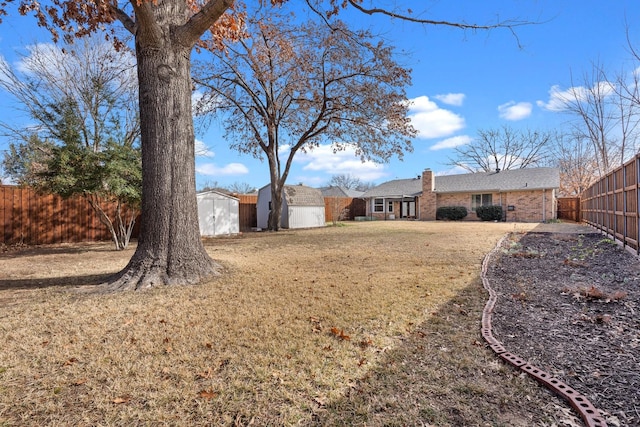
<point>218,214</point>
<point>302,207</point>
<point>526,195</point>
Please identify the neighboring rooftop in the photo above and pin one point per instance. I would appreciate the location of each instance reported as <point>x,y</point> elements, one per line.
<point>339,191</point>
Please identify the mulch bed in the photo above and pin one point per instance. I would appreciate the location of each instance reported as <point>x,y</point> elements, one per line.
<point>570,304</point>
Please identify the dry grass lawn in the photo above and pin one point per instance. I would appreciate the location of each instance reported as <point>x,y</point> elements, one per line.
<point>363,324</point>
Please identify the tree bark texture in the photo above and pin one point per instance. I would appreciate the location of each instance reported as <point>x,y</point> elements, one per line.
<point>170,250</point>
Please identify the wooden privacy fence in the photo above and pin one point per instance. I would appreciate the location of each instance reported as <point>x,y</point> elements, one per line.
<point>248,215</point>
<point>611,204</point>
<point>343,208</point>
<point>569,208</point>
<point>29,218</point>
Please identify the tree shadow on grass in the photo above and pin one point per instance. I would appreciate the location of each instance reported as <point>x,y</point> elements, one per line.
<point>443,374</point>
<point>41,283</point>
<point>13,252</point>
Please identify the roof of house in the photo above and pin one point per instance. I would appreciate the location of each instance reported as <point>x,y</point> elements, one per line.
<point>397,188</point>
<point>300,195</point>
<point>507,180</point>
<point>340,191</point>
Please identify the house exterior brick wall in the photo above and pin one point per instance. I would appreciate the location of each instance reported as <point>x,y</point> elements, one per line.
<point>457,199</point>
<point>531,206</point>
<point>384,215</point>
<point>527,204</point>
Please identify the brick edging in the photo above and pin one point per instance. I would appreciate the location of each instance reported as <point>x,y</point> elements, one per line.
<point>589,414</point>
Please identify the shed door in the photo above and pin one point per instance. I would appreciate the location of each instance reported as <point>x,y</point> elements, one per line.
<point>206,217</point>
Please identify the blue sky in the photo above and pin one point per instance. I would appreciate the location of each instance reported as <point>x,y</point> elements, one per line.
<point>462,80</point>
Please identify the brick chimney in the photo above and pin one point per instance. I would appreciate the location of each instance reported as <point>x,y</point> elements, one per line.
<point>428,198</point>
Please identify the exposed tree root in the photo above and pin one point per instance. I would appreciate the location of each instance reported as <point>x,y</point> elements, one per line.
<point>143,273</point>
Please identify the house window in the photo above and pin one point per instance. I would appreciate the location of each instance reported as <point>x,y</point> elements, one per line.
<point>378,205</point>
<point>480,200</point>
<point>390,206</point>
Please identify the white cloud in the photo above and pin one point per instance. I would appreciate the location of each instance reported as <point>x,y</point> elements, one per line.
<point>231,169</point>
<point>432,121</point>
<point>456,170</point>
<point>45,56</point>
<point>202,150</point>
<point>323,159</point>
<point>452,142</point>
<point>284,149</point>
<point>451,98</point>
<point>558,98</point>
<point>515,110</point>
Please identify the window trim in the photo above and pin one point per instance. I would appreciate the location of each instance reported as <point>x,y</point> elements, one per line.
<point>486,199</point>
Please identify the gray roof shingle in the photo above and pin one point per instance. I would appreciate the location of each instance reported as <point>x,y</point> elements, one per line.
<point>397,188</point>
<point>507,180</point>
<point>339,191</point>
<point>300,195</point>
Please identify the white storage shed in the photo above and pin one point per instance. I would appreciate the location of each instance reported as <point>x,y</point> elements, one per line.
<point>302,207</point>
<point>218,213</point>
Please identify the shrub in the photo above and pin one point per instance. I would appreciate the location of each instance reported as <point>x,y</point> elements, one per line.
<point>453,213</point>
<point>489,213</point>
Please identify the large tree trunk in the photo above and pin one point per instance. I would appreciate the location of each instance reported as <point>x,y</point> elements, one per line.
<point>277,187</point>
<point>275,215</point>
<point>170,251</point>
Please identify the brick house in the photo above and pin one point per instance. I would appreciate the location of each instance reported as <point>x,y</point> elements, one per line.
<point>526,195</point>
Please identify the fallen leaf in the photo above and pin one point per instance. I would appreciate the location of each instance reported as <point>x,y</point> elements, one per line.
<point>339,333</point>
<point>121,400</point>
<point>70,361</point>
<point>207,394</point>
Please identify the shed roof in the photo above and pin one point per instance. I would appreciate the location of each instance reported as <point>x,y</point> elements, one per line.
<point>300,195</point>
<point>216,193</point>
<point>507,180</point>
